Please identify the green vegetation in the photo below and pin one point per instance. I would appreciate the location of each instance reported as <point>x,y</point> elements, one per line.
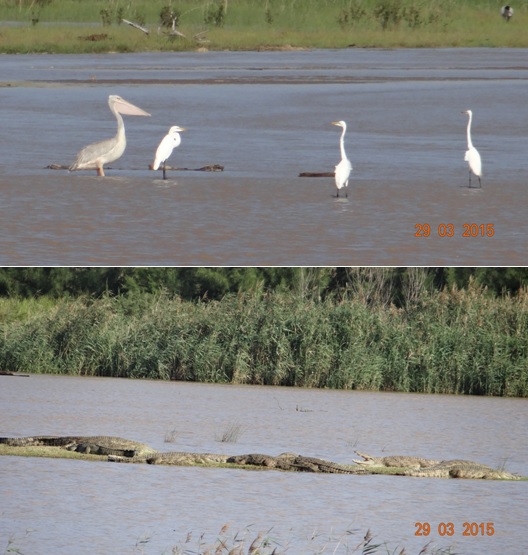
<point>370,329</point>
<point>391,285</point>
<point>76,26</point>
<point>43,451</point>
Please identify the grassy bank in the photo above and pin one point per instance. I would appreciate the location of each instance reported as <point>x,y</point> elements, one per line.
<point>70,26</point>
<point>458,341</point>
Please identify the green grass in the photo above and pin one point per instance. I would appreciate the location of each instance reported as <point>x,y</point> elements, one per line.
<point>457,341</point>
<point>48,452</point>
<point>61,26</point>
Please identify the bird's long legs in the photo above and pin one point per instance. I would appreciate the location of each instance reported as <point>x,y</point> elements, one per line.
<point>480,184</point>
<point>164,175</point>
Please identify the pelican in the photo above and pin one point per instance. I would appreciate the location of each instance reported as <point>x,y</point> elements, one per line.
<point>472,156</point>
<point>171,140</point>
<point>506,12</point>
<point>94,156</point>
<point>343,169</point>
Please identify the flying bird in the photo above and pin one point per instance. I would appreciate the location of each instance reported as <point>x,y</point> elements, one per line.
<point>171,140</point>
<point>506,12</point>
<point>343,169</point>
<point>96,155</point>
<point>472,156</point>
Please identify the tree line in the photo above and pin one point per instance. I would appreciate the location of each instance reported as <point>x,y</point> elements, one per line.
<point>386,285</point>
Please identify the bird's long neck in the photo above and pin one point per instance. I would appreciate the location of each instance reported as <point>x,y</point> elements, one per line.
<point>342,144</point>
<point>470,144</point>
<point>120,136</point>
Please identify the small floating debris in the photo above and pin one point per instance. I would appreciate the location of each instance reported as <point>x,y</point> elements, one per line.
<point>317,174</point>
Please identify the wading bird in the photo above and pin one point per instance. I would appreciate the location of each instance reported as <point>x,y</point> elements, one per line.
<point>472,156</point>
<point>94,156</point>
<point>343,169</point>
<point>506,12</point>
<point>171,140</point>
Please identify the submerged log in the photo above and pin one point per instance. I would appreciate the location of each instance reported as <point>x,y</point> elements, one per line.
<point>317,174</point>
<point>207,168</point>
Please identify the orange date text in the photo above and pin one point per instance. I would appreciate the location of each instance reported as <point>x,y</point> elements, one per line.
<point>450,230</point>
<point>468,529</point>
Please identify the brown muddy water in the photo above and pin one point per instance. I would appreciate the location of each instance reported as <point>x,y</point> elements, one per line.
<point>265,116</point>
<point>66,506</point>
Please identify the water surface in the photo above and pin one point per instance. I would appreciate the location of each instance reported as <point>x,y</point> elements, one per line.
<point>90,507</point>
<point>266,118</point>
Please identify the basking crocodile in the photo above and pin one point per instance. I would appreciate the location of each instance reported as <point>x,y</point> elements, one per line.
<point>95,445</point>
<point>401,461</point>
<point>461,469</point>
<point>312,464</point>
<point>429,468</point>
<point>185,458</point>
<point>282,462</point>
<point>124,450</point>
<point>291,461</point>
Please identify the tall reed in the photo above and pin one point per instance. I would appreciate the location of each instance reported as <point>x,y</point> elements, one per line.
<point>455,341</point>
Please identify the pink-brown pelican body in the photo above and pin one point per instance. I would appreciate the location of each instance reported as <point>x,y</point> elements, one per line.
<point>94,156</point>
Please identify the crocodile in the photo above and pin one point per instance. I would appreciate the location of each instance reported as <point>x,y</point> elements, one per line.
<point>401,461</point>
<point>461,469</point>
<point>95,445</point>
<point>282,462</point>
<point>124,450</point>
<point>312,464</point>
<point>185,458</point>
<point>293,462</point>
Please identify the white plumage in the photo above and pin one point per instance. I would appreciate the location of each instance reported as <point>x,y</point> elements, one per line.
<point>343,169</point>
<point>171,140</point>
<point>507,12</point>
<point>472,156</point>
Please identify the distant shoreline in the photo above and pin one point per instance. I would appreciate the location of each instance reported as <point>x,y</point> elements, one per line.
<point>66,27</point>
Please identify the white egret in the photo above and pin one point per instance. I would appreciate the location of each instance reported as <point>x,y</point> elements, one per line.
<point>343,169</point>
<point>171,140</point>
<point>472,156</point>
<point>94,156</point>
<point>506,12</point>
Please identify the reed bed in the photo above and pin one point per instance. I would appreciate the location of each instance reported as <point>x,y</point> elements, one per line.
<point>70,26</point>
<point>247,542</point>
<point>457,341</point>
